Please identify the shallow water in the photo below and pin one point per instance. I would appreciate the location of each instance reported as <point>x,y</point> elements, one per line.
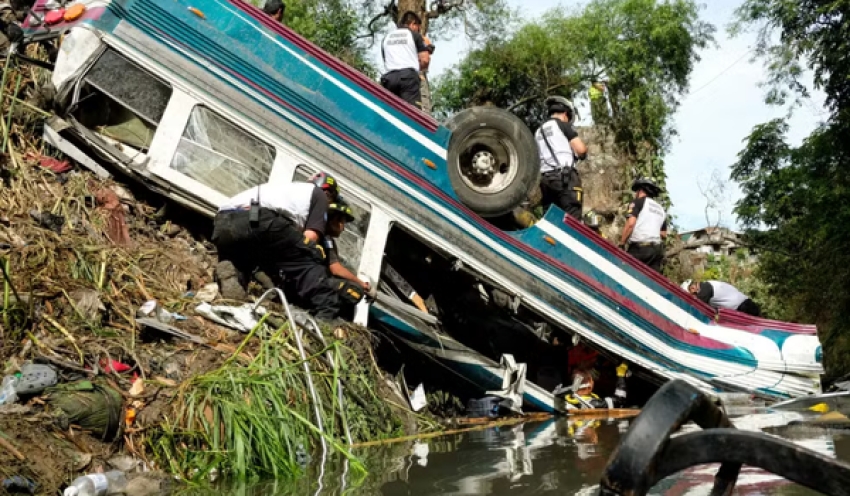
<point>558,456</point>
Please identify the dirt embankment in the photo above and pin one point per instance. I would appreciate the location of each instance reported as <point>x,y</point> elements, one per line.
<point>81,256</point>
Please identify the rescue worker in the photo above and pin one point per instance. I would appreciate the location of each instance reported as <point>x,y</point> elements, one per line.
<point>559,148</point>
<point>720,294</point>
<point>277,228</point>
<point>646,225</point>
<point>350,288</point>
<point>275,9</point>
<point>405,55</point>
<point>339,213</point>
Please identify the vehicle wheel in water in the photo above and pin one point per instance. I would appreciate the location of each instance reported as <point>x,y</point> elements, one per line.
<point>492,160</point>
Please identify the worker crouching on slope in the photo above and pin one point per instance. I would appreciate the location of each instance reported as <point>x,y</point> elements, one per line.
<point>276,228</point>
<point>560,148</point>
<point>646,225</point>
<point>350,288</point>
<point>720,294</point>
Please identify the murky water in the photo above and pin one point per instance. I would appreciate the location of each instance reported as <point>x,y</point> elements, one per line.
<point>558,456</point>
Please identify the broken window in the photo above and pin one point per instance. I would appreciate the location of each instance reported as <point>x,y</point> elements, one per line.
<point>350,243</point>
<point>220,155</point>
<point>121,101</point>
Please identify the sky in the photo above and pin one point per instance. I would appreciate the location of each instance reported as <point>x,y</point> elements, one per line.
<point>724,103</point>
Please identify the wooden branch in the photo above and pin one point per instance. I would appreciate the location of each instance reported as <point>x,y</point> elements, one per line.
<point>531,98</point>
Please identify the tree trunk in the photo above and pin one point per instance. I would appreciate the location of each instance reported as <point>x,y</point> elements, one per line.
<point>420,7</point>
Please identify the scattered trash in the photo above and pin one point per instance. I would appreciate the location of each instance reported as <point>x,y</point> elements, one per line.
<point>169,329</point>
<point>48,220</point>
<point>8,393</point>
<point>124,463</point>
<point>112,482</point>
<point>138,388</point>
<point>54,164</point>
<point>417,399</point>
<point>35,378</point>
<point>110,366</point>
<point>207,293</point>
<point>89,405</point>
<point>117,230</point>
<point>87,303</point>
<point>19,485</point>
<point>153,309</point>
<point>242,318</point>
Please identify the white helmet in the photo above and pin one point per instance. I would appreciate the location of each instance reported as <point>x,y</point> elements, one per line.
<point>686,285</point>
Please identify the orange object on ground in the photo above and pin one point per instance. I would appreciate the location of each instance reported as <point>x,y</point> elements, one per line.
<point>74,12</point>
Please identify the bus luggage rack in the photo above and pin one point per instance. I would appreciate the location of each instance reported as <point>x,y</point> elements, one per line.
<point>647,454</point>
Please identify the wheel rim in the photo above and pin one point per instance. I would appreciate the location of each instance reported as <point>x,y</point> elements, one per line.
<point>487,163</point>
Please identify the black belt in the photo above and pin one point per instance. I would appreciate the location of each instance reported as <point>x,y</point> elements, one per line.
<point>645,243</point>
<point>247,208</point>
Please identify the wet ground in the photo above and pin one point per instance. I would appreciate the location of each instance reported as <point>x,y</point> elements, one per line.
<point>558,456</point>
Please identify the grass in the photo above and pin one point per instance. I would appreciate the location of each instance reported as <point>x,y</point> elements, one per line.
<point>253,419</point>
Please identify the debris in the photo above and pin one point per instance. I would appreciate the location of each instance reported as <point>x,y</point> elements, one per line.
<point>35,378</point>
<point>417,399</point>
<point>11,449</point>
<point>8,392</point>
<point>55,165</point>
<point>153,309</point>
<point>112,482</point>
<point>81,460</point>
<point>242,318</point>
<point>168,329</point>
<point>117,230</point>
<point>110,366</point>
<point>124,463</point>
<point>207,293</point>
<point>89,405</point>
<point>819,408</point>
<point>489,407</point>
<point>48,220</point>
<point>144,486</point>
<point>138,388</point>
<point>19,485</point>
<point>87,302</point>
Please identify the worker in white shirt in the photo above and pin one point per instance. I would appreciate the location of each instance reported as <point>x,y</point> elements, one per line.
<point>277,228</point>
<point>646,225</point>
<point>721,294</point>
<point>405,54</point>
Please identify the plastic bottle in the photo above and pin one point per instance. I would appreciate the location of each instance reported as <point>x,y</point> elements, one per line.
<point>8,395</point>
<point>97,484</point>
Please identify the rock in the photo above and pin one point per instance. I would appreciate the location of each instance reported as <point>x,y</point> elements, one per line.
<point>208,293</point>
<point>124,463</point>
<point>87,302</point>
<point>144,486</point>
<point>81,460</point>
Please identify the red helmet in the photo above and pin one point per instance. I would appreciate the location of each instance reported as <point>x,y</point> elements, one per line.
<point>326,182</point>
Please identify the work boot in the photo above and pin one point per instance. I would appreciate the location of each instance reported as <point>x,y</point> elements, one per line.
<point>229,281</point>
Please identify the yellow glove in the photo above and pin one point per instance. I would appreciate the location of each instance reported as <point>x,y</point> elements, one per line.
<point>622,370</point>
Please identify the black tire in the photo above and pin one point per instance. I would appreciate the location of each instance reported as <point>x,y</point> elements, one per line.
<point>513,158</point>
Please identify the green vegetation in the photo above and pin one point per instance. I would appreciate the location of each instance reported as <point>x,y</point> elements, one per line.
<point>795,198</point>
<point>644,49</point>
<point>255,417</point>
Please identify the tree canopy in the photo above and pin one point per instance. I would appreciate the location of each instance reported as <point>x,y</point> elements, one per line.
<point>796,199</point>
<point>644,50</point>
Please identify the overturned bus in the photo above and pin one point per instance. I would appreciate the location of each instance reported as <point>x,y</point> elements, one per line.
<point>201,99</point>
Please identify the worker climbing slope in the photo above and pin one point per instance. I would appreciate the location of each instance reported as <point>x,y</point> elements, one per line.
<point>277,228</point>
<point>559,148</point>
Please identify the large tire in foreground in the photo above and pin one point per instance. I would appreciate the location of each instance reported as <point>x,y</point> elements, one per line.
<point>492,160</point>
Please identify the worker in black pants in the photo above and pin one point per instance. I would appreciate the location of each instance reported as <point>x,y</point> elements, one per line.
<point>276,228</point>
<point>559,149</point>
<point>405,54</point>
<point>646,225</point>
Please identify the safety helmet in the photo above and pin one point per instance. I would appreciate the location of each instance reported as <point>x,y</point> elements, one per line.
<point>326,182</point>
<point>686,285</point>
<point>341,207</point>
<point>647,185</point>
<point>555,104</point>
